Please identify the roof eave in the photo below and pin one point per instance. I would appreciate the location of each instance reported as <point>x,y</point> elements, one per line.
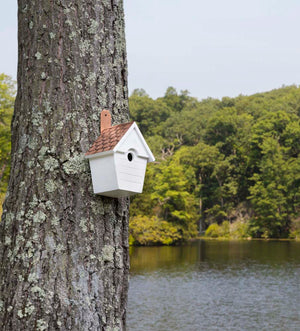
<point>97,155</point>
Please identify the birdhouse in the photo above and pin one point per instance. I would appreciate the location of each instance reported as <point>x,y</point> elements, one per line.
<point>118,159</point>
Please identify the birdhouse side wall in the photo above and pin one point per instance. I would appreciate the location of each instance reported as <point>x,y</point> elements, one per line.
<point>104,174</point>
<point>131,174</point>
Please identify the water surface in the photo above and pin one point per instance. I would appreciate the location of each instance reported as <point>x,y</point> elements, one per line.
<point>215,285</point>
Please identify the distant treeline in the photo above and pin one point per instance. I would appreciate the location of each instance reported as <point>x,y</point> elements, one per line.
<point>229,167</point>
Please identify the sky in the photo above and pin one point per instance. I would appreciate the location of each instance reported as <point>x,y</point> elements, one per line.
<point>211,48</point>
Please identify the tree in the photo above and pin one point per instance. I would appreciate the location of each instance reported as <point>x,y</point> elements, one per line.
<point>175,101</point>
<point>64,251</point>
<point>173,194</point>
<point>139,92</point>
<point>148,113</point>
<point>275,191</point>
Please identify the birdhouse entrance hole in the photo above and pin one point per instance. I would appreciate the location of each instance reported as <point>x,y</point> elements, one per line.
<point>130,157</point>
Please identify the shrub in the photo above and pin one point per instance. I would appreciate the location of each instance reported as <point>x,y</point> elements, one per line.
<point>152,231</point>
<point>239,230</point>
<point>236,230</point>
<point>295,229</point>
<point>213,231</point>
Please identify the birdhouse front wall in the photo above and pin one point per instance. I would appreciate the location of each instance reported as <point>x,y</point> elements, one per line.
<point>130,170</point>
<point>118,174</point>
<point>133,140</point>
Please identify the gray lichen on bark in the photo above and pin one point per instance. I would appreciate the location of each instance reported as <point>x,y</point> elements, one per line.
<point>64,251</point>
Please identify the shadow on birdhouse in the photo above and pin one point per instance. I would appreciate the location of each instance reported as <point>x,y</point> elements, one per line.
<point>118,159</point>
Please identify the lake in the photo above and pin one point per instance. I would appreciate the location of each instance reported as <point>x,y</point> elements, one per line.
<point>215,285</point>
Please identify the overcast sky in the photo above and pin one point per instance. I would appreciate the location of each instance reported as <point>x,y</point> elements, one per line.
<point>212,48</point>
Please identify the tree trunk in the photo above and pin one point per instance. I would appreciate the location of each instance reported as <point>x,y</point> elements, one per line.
<point>64,251</point>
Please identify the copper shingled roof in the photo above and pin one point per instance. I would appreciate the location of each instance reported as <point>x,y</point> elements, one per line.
<point>109,138</point>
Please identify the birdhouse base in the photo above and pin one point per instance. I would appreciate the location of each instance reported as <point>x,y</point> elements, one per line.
<point>117,193</point>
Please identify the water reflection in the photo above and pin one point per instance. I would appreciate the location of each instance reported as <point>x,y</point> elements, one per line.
<point>214,285</point>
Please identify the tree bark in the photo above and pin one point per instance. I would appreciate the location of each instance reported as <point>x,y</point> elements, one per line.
<point>64,251</point>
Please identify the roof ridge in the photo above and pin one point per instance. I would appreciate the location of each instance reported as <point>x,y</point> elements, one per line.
<point>115,126</point>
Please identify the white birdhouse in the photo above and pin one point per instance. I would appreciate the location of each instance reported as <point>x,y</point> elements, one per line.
<point>118,159</point>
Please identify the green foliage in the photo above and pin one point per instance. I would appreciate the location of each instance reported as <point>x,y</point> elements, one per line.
<point>236,230</point>
<point>173,195</point>
<point>7,93</point>
<point>295,229</point>
<point>148,113</point>
<point>175,101</point>
<point>214,156</point>
<point>239,230</point>
<point>218,231</point>
<point>152,231</point>
<point>275,191</point>
<point>214,231</point>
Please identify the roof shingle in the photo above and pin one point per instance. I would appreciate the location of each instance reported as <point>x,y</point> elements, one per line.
<point>109,138</point>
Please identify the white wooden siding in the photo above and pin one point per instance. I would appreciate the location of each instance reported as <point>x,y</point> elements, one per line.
<point>133,140</point>
<point>130,174</point>
<point>103,174</point>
